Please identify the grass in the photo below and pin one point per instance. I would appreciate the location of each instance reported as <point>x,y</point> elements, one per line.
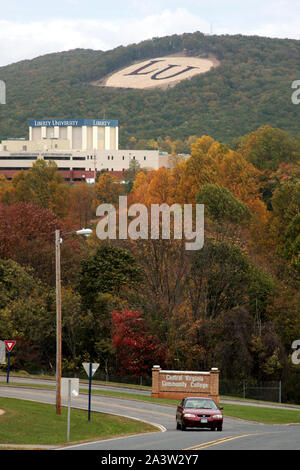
<point>250,413</point>
<point>103,393</point>
<point>24,374</point>
<point>31,423</point>
<point>262,414</point>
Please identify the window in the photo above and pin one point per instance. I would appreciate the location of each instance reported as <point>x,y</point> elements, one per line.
<point>123,158</point>
<point>16,168</point>
<point>145,158</point>
<point>25,147</point>
<point>56,158</point>
<point>18,158</point>
<point>108,158</point>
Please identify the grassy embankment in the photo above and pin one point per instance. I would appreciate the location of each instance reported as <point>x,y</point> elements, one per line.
<point>262,414</point>
<point>30,423</point>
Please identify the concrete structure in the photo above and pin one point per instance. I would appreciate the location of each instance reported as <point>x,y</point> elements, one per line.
<point>180,384</point>
<point>80,148</point>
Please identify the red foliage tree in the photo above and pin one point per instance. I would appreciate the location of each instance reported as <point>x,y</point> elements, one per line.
<point>27,237</point>
<point>136,349</point>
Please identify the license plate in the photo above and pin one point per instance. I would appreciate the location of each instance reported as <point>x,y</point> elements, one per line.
<point>203,420</point>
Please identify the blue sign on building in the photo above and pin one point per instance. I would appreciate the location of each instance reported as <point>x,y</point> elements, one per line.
<point>73,122</point>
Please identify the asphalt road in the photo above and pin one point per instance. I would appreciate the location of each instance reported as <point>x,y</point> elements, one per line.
<point>236,434</point>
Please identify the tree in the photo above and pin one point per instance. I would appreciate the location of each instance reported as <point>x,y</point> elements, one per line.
<point>130,175</point>
<point>268,147</point>
<point>81,204</point>
<point>110,270</point>
<point>286,206</point>
<point>136,349</point>
<point>292,242</point>
<point>222,206</point>
<point>108,189</point>
<point>42,185</point>
<point>27,236</point>
<point>25,315</point>
<point>218,280</point>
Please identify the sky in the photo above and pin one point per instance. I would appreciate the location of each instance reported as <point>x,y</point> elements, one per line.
<point>32,28</point>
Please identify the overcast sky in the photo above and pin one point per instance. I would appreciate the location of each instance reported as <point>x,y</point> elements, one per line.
<point>29,28</point>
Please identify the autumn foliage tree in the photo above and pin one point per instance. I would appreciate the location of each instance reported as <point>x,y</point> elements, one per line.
<point>136,349</point>
<point>42,185</point>
<point>27,237</point>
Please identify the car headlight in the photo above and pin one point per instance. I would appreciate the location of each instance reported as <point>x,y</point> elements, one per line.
<point>189,415</point>
<point>217,416</point>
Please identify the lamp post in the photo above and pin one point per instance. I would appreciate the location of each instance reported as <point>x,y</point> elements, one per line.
<point>58,240</point>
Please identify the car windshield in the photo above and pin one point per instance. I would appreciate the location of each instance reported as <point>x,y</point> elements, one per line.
<point>203,404</point>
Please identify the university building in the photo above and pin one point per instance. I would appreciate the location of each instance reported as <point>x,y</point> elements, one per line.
<point>79,147</point>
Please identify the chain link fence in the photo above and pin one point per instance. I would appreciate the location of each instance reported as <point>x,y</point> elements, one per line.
<point>264,391</point>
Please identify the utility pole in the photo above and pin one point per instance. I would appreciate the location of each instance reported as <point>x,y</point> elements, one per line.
<point>86,232</point>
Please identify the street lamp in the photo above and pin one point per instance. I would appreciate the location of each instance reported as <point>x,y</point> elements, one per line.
<point>58,240</point>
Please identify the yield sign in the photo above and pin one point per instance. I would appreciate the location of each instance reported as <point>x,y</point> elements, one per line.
<point>9,344</point>
<point>86,366</point>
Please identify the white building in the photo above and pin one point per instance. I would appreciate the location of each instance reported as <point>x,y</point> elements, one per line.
<point>79,147</point>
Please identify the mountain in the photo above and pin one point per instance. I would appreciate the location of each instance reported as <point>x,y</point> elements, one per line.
<point>250,87</point>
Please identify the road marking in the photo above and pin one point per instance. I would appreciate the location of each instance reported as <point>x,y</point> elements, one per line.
<point>226,439</point>
<point>217,441</point>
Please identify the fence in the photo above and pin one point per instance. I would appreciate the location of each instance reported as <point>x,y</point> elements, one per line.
<point>264,391</point>
<point>110,379</point>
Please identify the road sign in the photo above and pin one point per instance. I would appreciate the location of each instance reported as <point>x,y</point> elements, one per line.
<point>69,388</point>
<point>9,344</point>
<point>2,353</point>
<point>86,366</point>
<point>65,387</point>
<point>90,369</point>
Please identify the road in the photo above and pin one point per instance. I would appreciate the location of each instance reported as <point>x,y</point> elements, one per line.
<point>236,434</point>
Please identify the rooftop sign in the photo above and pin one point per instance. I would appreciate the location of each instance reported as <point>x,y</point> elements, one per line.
<point>73,122</point>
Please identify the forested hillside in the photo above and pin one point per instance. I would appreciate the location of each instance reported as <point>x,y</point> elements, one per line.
<point>250,88</point>
<point>129,304</point>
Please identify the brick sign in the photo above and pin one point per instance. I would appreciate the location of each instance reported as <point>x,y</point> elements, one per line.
<point>180,384</point>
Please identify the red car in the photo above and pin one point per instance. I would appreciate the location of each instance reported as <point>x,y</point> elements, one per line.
<point>199,412</point>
